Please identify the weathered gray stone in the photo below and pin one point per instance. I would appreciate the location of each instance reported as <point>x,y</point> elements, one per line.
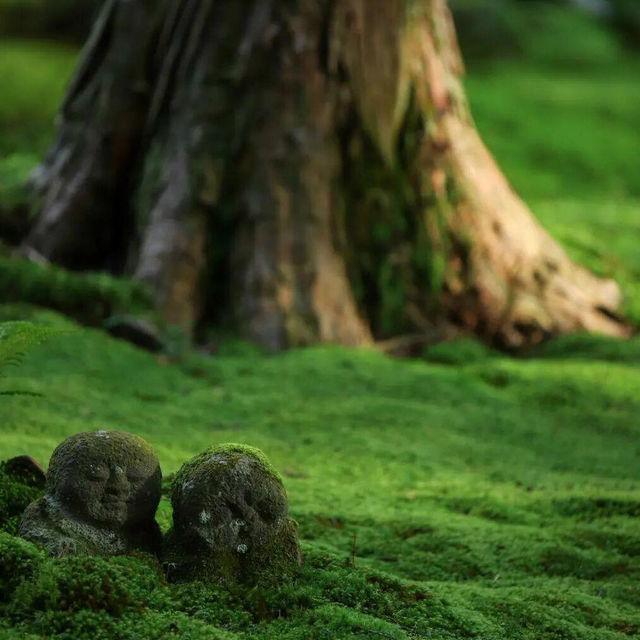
<point>231,520</point>
<point>102,492</point>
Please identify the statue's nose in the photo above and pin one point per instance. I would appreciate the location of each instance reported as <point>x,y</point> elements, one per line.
<point>118,483</point>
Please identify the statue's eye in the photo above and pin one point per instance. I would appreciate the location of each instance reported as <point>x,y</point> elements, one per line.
<point>135,477</point>
<point>97,475</point>
<point>268,510</point>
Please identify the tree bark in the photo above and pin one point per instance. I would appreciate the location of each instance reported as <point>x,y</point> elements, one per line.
<point>84,183</point>
<point>310,168</point>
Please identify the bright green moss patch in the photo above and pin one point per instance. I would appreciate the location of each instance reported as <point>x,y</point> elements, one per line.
<point>603,234</point>
<point>487,497</point>
<point>546,33</point>
<point>115,586</point>
<point>457,352</point>
<point>20,559</point>
<point>534,121</point>
<point>88,625</point>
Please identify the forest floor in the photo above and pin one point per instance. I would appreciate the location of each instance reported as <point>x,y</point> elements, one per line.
<point>466,494</point>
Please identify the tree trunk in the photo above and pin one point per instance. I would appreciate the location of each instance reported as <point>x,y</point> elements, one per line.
<point>309,169</point>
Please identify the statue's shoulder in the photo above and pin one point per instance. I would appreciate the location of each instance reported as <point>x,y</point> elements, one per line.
<point>38,512</point>
<point>44,522</point>
<point>40,524</point>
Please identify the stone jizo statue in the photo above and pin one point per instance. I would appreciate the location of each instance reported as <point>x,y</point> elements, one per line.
<point>102,492</point>
<point>231,520</point>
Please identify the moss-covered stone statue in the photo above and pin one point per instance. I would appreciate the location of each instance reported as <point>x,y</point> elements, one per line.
<point>102,492</point>
<point>231,520</point>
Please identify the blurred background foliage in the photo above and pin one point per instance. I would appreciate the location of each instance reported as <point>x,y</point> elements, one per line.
<point>58,19</point>
<point>488,30</point>
<point>572,33</point>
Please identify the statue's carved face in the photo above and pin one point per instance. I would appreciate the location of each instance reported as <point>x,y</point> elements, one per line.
<point>106,478</point>
<point>229,504</point>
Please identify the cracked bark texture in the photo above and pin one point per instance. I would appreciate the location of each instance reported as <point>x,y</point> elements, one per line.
<point>238,158</point>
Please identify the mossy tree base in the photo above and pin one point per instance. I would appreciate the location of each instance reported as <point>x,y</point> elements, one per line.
<point>309,168</point>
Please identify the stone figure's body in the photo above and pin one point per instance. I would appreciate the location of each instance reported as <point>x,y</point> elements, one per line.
<point>102,492</point>
<point>231,520</point>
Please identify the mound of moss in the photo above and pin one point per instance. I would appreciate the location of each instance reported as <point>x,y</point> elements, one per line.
<point>20,559</point>
<point>491,497</point>
<point>88,297</point>
<point>114,586</point>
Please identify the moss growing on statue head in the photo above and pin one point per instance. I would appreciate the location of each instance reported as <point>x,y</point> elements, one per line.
<point>231,453</point>
<point>231,521</point>
<point>107,478</point>
<point>102,492</point>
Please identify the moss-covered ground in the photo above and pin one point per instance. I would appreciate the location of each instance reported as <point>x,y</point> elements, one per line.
<point>467,495</point>
<point>463,495</point>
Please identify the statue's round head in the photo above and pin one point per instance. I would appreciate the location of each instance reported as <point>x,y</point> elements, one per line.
<point>106,478</point>
<point>228,501</point>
